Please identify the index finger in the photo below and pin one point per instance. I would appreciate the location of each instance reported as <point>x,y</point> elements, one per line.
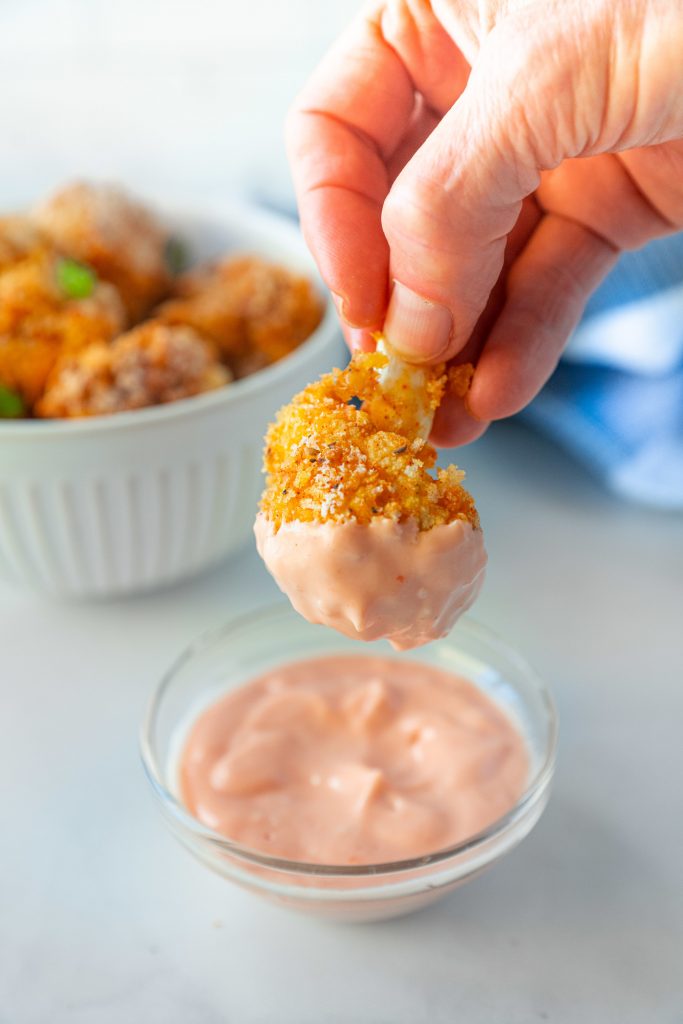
<point>342,131</point>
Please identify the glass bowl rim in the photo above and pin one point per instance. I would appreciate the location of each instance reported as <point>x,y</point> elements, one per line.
<point>173,807</point>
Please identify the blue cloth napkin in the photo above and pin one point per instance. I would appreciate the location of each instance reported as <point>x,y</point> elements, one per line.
<point>616,399</point>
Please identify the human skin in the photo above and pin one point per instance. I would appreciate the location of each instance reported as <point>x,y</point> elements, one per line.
<point>468,172</point>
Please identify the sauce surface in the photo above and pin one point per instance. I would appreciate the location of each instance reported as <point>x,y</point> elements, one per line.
<point>352,759</point>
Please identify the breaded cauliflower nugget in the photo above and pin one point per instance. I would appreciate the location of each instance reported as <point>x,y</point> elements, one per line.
<point>50,305</point>
<point>151,364</point>
<point>348,448</point>
<point>117,236</point>
<point>18,237</point>
<point>254,311</point>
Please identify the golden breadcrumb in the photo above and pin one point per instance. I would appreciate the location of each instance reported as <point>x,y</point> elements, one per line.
<point>254,311</point>
<point>459,379</point>
<point>347,448</point>
<point>152,364</point>
<point>117,236</point>
<point>38,321</point>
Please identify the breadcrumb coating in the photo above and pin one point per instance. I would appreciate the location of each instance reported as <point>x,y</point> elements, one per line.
<point>150,365</point>
<point>459,379</point>
<point>347,448</point>
<point>117,236</point>
<point>256,312</point>
<point>38,321</point>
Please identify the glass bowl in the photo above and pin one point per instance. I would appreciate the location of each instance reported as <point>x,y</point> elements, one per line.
<point>225,658</point>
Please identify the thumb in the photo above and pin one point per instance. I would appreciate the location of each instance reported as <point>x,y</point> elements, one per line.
<point>448,214</point>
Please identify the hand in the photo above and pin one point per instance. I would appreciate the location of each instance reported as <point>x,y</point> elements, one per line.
<point>468,172</point>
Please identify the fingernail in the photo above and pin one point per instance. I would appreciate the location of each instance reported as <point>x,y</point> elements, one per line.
<point>341,305</point>
<point>417,328</point>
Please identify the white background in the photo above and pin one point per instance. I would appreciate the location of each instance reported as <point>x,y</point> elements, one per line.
<point>162,93</point>
<point>103,919</point>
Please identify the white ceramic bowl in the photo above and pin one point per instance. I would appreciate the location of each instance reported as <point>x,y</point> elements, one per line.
<point>122,503</point>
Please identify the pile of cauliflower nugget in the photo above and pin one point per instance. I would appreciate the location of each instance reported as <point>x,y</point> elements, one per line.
<point>97,315</point>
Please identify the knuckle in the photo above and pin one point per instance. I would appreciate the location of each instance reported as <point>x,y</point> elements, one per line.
<point>411,211</point>
<point>540,74</point>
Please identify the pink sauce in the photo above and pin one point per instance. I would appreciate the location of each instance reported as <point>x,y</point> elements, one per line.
<point>385,579</point>
<point>352,759</point>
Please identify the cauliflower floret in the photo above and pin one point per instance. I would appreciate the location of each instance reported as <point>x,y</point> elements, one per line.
<point>49,305</point>
<point>114,234</point>
<point>151,364</point>
<point>348,448</point>
<point>254,311</point>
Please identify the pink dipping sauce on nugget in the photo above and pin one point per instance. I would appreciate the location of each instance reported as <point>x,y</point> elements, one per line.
<point>383,579</point>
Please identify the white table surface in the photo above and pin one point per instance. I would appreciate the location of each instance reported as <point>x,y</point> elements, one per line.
<point>104,919</point>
